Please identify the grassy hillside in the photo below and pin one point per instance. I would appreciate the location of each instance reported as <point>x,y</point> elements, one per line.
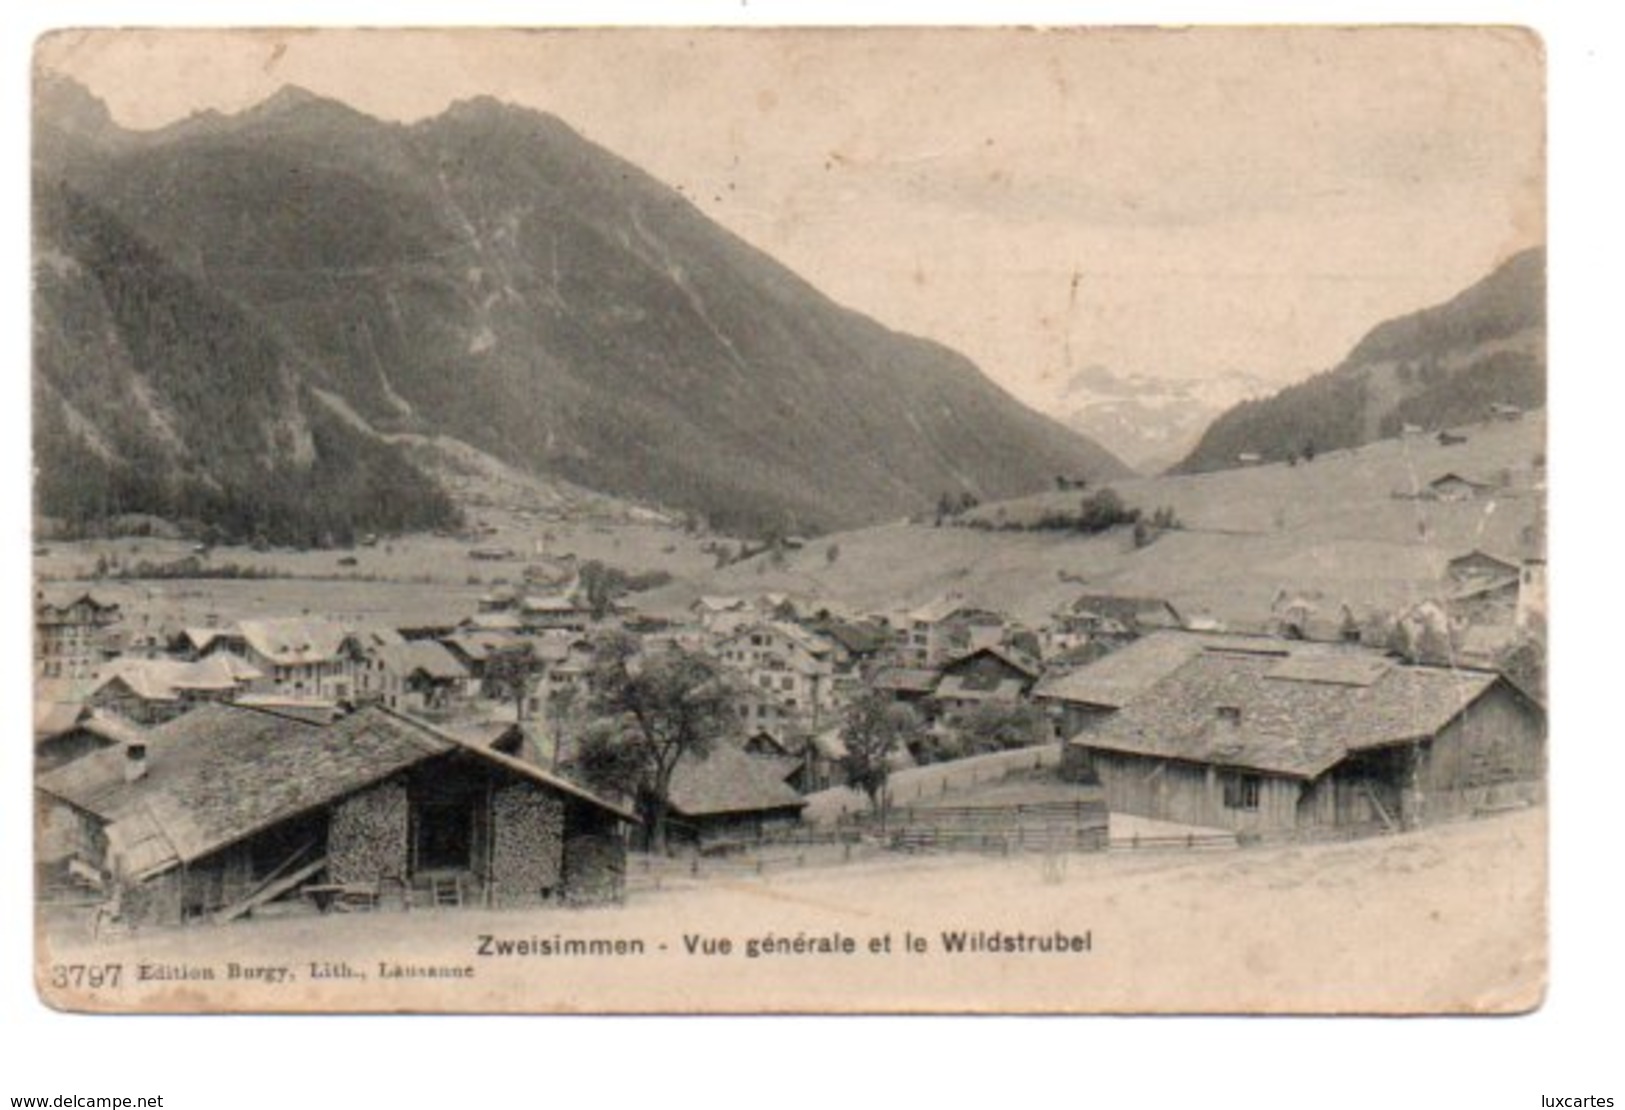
<point>1441,366</point>
<point>1332,527</point>
<point>156,394</point>
<point>491,276</point>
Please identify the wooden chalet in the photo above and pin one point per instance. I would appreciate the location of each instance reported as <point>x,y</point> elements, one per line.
<point>226,810</point>
<point>70,633</point>
<point>62,737</point>
<point>1311,739</point>
<point>151,691</point>
<point>730,795</point>
<point>1453,486</point>
<point>421,676</point>
<point>987,676</point>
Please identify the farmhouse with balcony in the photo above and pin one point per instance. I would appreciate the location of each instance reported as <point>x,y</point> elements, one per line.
<point>946,627</point>
<point>795,666</point>
<point>70,634</point>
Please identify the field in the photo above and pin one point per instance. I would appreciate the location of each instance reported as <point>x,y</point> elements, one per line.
<point>1331,530</point>
<point>1447,919</point>
<point>420,579</point>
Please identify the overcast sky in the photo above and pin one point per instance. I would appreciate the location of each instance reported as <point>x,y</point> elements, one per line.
<point>1157,202</point>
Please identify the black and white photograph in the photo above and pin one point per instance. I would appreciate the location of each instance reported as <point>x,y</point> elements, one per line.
<point>790,520</point>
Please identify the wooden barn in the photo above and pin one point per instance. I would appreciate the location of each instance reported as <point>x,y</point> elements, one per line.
<point>731,795</point>
<point>1082,699</point>
<point>987,676</point>
<point>1311,738</point>
<point>228,809</point>
<point>86,731</point>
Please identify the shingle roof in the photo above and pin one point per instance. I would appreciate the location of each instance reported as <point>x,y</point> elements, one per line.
<point>729,780</point>
<point>1129,611</point>
<point>478,646</point>
<point>222,773</point>
<point>1009,656</point>
<point>906,680</point>
<point>1115,680</point>
<point>493,622</point>
<point>52,718</point>
<point>291,641</point>
<point>428,656</point>
<point>167,679</point>
<point>1479,555</point>
<point>1291,719</point>
<point>856,637</point>
<point>957,688</point>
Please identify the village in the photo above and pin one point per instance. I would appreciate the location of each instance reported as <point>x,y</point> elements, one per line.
<point>560,744</point>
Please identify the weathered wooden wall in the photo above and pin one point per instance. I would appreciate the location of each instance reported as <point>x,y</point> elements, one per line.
<point>1492,756</point>
<point>368,837</point>
<point>1190,794</point>
<point>527,844</point>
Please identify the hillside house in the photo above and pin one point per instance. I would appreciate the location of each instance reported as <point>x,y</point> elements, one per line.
<point>151,691</point>
<point>943,628</point>
<point>70,634</point>
<point>228,808</point>
<point>1138,615</point>
<point>507,624</point>
<point>908,685</point>
<point>473,649</point>
<point>795,666</point>
<point>1478,566</point>
<point>499,599</point>
<point>987,676</point>
<point>563,612</point>
<point>722,615</point>
<point>298,657</point>
<point>422,676</point>
<point>1310,739</point>
<point>195,643</point>
<point>566,665</point>
<point>1452,486</point>
<point>730,795</point>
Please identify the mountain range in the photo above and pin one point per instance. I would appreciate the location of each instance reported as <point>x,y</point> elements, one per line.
<point>238,318</point>
<point>1429,370</point>
<point>1150,421</point>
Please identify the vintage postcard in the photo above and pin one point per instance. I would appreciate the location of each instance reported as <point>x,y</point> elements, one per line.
<point>760,521</point>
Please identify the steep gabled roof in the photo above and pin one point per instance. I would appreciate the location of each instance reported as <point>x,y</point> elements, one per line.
<point>1286,717</point>
<point>729,780</point>
<point>292,641</point>
<point>430,657</point>
<point>223,773</point>
<point>1131,612</point>
<point>1015,660</point>
<point>1115,680</point>
<point>906,680</point>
